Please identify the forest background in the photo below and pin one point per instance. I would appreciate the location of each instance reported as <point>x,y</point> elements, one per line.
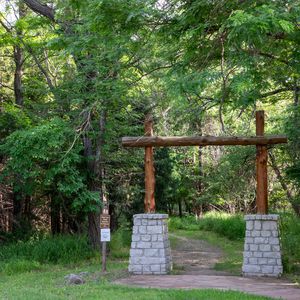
<point>76,76</point>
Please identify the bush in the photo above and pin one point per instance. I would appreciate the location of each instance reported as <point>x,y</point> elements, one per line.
<point>25,256</point>
<point>120,244</point>
<point>290,240</point>
<point>59,249</point>
<point>231,226</point>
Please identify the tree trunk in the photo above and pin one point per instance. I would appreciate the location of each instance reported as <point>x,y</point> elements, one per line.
<point>17,210</point>
<point>97,179</point>
<point>55,216</point>
<point>296,93</point>
<point>180,208</point>
<point>18,58</point>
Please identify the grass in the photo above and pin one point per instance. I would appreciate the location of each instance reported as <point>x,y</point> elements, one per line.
<point>50,284</point>
<point>38,252</point>
<point>231,226</point>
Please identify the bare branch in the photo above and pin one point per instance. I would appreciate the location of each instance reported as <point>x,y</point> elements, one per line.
<point>6,86</point>
<point>41,9</point>
<point>281,90</point>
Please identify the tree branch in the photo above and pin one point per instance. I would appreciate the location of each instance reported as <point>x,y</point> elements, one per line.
<point>41,9</point>
<point>275,92</point>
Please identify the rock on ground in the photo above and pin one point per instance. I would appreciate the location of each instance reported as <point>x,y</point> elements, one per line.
<point>74,279</point>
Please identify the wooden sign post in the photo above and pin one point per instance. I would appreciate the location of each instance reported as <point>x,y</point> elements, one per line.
<point>104,231</point>
<point>260,141</point>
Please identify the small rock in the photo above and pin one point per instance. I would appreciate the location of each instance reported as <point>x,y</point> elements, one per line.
<point>74,279</point>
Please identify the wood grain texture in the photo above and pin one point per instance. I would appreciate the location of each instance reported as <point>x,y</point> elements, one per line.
<point>261,167</point>
<point>149,201</point>
<point>159,141</point>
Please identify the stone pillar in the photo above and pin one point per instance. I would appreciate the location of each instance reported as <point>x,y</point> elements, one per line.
<point>262,255</point>
<point>150,251</point>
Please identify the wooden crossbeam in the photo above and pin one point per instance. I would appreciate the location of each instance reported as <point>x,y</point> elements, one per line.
<point>159,141</point>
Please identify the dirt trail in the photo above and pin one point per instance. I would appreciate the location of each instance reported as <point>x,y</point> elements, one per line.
<point>194,261</point>
<point>195,257</point>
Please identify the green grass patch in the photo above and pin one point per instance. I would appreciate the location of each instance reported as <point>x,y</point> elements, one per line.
<point>50,284</point>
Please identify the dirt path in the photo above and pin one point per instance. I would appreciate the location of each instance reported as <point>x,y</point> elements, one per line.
<point>195,259</point>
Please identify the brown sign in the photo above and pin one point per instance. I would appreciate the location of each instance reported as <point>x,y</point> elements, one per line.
<point>104,221</point>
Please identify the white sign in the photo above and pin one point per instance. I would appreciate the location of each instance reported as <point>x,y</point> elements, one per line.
<point>105,235</point>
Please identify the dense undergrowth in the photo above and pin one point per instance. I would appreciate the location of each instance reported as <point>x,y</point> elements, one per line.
<point>230,226</point>
<point>38,251</point>
<point>34,253</point>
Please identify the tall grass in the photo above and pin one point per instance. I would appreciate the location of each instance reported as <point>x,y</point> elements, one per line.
<point>290,240</point>
<point>34,253</point>
<point>231,226</point>
<point>120,244</point>
<point>62,249</point>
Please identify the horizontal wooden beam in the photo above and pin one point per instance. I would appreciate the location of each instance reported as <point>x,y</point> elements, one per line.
<point>159,141</point>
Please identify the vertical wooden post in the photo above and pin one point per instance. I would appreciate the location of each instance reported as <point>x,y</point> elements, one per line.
<point>149,202</point>
<point>105,211</point>
<point>103,257</point>
<point>261,168</point>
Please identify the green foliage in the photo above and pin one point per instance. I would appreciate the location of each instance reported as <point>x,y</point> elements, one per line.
<point>231,226</point>
<point>19,266</point>
<point>32,254</point>
<point>290,238</point>
<point>120,244</point>
<point>44,160</point>
<point>88,78</point>
<point>12,118</point>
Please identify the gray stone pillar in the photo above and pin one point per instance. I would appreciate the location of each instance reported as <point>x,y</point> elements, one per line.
<point>150,251</point>
<point>262,254</point>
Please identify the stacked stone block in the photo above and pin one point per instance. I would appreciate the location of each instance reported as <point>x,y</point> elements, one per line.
<point>262,254</point>
<point>150,251</point>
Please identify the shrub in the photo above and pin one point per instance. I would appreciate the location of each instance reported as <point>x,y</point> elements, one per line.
<point>120,244</point>
<point>59,249</point>
<point>290,240</point>
<point>231,226</point>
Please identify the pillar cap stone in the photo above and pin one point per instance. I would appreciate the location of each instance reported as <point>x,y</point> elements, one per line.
<point>271,217</point>
<point>150,216</point>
